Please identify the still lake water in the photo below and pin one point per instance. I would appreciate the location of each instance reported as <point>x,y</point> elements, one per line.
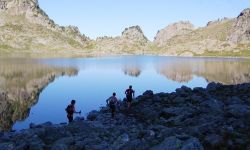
<point>98,78</point>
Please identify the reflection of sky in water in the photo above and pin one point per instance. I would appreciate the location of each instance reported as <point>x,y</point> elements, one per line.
<point>95,82</point>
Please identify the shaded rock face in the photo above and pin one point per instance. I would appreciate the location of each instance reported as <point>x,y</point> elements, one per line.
<point>240,32</point>
<point>175,29</point>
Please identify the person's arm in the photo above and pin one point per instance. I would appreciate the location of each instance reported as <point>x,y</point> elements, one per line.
<point>76,111</point>
<point>107,101</point>
<point>133,93</point>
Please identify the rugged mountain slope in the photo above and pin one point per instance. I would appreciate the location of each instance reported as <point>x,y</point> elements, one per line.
<point>132,40</point>
<point>240,32</point>
<point>172,30</point>
<point>231,36</point>
<point>23,25</point>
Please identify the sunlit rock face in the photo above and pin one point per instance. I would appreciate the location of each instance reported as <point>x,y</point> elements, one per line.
<point>26,26</point>
<point>20,85</point>
<point>131,41</point>
<point>240,32</point>
<point>226,72</point>
<point>175,29</point>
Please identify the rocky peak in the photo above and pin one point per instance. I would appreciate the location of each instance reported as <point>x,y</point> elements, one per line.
<point>240,32</point>
<point>217,21</point>
<point>179,28</point>
<point>18,6</point>
<point>134,33</point>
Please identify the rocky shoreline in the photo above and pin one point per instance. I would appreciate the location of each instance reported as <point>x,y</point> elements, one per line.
<point>215,117</point>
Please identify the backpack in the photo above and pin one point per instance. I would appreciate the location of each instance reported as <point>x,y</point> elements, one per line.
<point>69,109</point>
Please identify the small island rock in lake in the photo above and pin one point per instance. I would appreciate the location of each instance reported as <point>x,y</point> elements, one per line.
<point>215,117</point>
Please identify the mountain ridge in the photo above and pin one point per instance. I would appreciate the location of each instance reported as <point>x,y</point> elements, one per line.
<point>25,27</point>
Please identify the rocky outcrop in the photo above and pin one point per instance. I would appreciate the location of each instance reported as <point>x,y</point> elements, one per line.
<point>132,41</point>
<point>215,117</point>
<point>26,20</point>
<point>240,32</point>
<point>172,30</point>
<point>134,33</point>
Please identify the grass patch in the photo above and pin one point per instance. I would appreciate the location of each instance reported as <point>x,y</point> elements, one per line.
<point>242,53</point>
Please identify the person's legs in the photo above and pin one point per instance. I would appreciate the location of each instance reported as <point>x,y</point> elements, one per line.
<point>70,118</point>
<point>113,112</point>
<point>129,100</point>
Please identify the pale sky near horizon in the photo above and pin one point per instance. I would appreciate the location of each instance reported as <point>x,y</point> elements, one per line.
<point>97,18</point>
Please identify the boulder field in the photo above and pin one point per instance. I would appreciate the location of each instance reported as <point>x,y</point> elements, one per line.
<point>215,117</point>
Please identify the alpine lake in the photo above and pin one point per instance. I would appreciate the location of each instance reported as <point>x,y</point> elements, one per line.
<point>39,90</point>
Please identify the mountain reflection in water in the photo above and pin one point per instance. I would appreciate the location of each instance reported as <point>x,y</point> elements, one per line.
<point>21,82</point>
<point>225,72</point>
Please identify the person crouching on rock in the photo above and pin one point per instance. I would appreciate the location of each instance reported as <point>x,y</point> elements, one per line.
<point>130,93</point>
<point>71,110</point>
<point>111,102</point>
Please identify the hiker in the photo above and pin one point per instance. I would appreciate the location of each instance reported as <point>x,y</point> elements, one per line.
<point>111,102</point>
<point>71,110</point>
<point>130,93</point>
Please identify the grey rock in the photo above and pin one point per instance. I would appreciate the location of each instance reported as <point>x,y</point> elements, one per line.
<point>170,143</point>
<point>213,86</point>
<point>213,140</point>
<point>148,93</point>
<point>238,110</point>
<point>213,104</point>
<point>59,147</point>
<point>192,144</point>
<point>7,146</point>
<point>92,115</point>
<point>79,118</point>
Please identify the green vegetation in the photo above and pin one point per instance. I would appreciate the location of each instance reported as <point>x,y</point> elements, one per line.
<point>242,53</point>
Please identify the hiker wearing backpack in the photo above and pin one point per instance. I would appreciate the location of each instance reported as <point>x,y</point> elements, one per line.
<point>71,110</point>
<point>111,102</point>
<point>130,93</point>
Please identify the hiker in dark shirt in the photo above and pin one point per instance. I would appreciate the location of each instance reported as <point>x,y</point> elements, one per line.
<point>111,102</point>
<point>130,93</point>
<point>71,110</point>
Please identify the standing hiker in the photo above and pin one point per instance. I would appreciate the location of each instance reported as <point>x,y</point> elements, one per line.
<point>130,93</point>
<point>71,110</point>
<point>111,102</point>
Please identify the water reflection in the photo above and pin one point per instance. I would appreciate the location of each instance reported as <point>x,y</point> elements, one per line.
<point>132,70</point>
<point>20,84</point>
<point>225,71</point>
<point>176,71</point>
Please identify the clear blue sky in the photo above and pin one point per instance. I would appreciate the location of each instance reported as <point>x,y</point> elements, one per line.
<point>109,17</point>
